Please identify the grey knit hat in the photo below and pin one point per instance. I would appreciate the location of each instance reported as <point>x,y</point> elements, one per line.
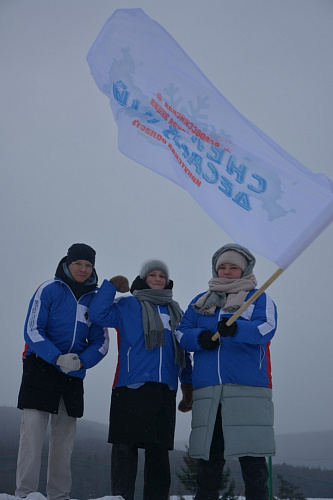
<point>246,260</point>
<point>151,265</point>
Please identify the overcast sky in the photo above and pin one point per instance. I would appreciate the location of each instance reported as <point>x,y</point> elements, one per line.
<point>63,179</point>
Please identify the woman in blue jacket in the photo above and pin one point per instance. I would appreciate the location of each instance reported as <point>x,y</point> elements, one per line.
<point>143,402</point>
<point>232,414</point>
<point>61,344</point>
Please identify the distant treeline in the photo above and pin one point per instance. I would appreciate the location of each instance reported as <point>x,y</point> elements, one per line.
<point>91,465</point>
<point>91,472</point>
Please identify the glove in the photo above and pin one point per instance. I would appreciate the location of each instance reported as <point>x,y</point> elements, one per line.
<point>224,330</point>
<point>206,342</point>
<point>69,362</point>
<point>185,404</point>
<point>121,283</point>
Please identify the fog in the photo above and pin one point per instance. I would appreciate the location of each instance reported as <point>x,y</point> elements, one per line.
<point>63,179</point>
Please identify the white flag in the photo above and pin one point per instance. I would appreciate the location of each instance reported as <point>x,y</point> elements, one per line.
<point>173,120</point>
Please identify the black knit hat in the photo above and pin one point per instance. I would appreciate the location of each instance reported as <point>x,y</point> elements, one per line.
<point>80,251</point>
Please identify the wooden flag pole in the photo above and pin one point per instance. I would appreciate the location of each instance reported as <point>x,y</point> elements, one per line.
<point>251,299</point>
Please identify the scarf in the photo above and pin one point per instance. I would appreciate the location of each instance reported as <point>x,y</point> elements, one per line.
<point>152,324</point>
<point>225,293</point>
<point>78,289</point>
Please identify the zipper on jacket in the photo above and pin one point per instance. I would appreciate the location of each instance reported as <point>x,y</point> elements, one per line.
<point>128,359</point>
<point>74,333</point>
<point>262,356</point>
<point>218,365</point>
<point>77,307</point>
<point>161,353</point>
<point>218,354</point>
<point>160,367</point>
<point>76,315</point>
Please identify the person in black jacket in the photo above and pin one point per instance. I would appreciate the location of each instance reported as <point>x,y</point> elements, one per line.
<point>61,343</point>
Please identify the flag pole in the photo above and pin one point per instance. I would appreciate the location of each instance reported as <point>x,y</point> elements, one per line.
<point>251,299</point>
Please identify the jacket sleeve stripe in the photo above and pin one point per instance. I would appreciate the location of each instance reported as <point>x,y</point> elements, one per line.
<point>270,324</point>
<point>32,329</point>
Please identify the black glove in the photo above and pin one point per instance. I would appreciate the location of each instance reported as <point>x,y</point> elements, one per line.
<point>224,330</point>
<point>206,342</point>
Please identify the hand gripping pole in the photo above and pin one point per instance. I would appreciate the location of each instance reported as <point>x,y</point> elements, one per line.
<point>251,299</point>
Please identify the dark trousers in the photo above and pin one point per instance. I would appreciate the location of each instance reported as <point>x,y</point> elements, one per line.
<point>209,475</point>
<point>124,465</point>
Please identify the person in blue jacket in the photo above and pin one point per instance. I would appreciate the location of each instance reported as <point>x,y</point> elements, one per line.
<point>143,401</point>
<point>61,343</point>
<point>232,413</point>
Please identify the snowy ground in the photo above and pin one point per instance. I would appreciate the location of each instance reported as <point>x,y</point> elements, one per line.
<point>39,496</point>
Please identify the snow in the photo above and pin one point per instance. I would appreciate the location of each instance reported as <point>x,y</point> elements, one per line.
<point>39,496</point>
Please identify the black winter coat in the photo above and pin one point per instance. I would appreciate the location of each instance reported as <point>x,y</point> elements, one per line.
<point>43,384</point>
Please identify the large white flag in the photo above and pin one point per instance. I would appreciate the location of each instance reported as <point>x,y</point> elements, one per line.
<point>173,120</point>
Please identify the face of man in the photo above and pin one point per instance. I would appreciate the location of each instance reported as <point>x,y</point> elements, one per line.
<point>81,270</point>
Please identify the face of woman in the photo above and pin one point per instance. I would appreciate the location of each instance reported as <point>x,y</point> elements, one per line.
<point>156,280</point>
<point>230,271</point>
<point>81,270</point>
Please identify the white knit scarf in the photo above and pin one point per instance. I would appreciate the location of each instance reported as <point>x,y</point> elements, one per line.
<point>228,294</point>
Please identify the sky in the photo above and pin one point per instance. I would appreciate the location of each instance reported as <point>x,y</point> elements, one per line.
<point>63,179</point>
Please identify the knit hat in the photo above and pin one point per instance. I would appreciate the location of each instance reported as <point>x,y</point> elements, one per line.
<point>232,257</point>
<point>151,265</point>
<point>80,251</point>
<point>232,253</point>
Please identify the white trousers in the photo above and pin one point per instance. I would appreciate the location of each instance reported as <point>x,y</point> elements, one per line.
<point>32,435</point>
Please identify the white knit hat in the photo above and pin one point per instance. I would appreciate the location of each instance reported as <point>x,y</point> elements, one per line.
<point>152,265</point>
<point>232,257</point>
<point>238,250</point>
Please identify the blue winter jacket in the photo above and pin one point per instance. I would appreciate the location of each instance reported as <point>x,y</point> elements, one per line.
<point>243,359</point>
<point>136,364</point>
<point>57,324</point>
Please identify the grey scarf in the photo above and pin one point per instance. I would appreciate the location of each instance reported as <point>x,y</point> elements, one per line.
<point>152,324</point>
<point>225,293</point>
